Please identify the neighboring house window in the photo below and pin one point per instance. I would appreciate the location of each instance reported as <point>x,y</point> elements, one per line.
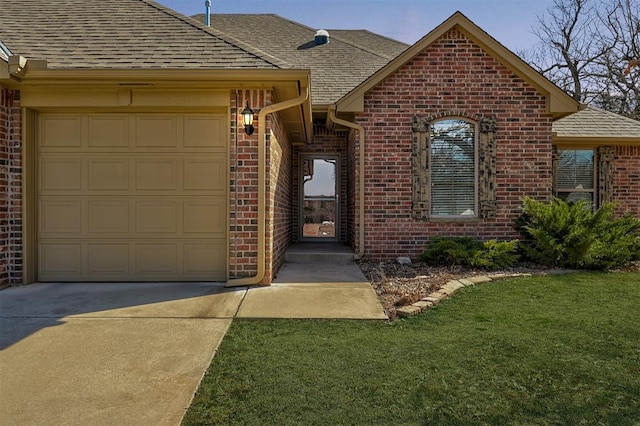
<point>576,175</point>
<point>452,149</point>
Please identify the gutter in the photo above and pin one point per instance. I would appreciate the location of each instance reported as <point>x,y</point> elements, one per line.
<point>360,129</point>
<point>262,187</point>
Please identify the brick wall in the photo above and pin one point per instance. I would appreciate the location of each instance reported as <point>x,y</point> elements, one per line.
<point>280,199</point>
<point>452,77</point>
<point>243,194</point>
<point>626,181</point>
<point>10,188</point>
<point>353,197</point>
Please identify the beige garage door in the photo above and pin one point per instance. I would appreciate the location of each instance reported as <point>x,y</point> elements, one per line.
<point>131,197</point>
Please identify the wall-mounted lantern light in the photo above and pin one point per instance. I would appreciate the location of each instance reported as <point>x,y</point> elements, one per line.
<point>247,120</point>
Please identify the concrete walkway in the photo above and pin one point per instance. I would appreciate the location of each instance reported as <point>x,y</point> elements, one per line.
<point>319,290</point>
<point>134,354</point>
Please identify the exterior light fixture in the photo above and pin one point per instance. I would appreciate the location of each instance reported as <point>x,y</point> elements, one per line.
<point>247,120</point>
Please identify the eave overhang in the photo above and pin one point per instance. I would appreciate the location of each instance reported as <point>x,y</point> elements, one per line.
<point>593,142</point>
<point>44,87</point>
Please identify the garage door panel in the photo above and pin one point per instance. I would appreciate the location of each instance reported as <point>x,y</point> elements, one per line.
<point>107,174</point>
<point>60,260</point>
<point>204,174</point>
<point>157,259</point>
<point>60,217</point>
<point>61,130</point>
<point>204,131</point>
<point>158,131</point>
<point>108,131</point>
<point>204,260</point>
<point>157,174</point>
<point>156,217</point>
<point>205,217</point>
<point>108,260</point>
<point>108,217</point>
<point>58,173</point>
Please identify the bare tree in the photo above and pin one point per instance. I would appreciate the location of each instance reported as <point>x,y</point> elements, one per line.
<point>588,48</point>
<point>617,71</point>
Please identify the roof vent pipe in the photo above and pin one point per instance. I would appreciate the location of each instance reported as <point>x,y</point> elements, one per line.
<point>321,37</point>
<point>207,14</point>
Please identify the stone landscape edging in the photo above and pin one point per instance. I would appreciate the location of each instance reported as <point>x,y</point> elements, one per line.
<point>450,288</point>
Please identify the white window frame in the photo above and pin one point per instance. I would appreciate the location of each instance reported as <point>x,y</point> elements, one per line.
<point>594,186</point>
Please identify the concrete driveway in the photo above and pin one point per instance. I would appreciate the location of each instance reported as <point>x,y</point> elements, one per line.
<point>134,354</point>
<point>115,353</point>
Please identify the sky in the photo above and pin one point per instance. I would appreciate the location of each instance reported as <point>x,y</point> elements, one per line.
<point>508,21</point>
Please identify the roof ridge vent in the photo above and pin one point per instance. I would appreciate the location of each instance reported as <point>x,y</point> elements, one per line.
<point>321,37</point>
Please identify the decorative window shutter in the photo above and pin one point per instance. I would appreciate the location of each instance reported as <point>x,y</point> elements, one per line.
<point>554,170</point>
<point>606,155</point>
<point>421,173</point>
<point>487,167</point>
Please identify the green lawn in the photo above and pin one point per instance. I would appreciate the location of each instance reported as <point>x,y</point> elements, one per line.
<point>558,350</point>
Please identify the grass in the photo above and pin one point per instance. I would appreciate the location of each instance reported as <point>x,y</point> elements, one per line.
<point>551,350</point>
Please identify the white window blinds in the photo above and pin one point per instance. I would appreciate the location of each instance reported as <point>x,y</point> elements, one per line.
<point>452,147</point>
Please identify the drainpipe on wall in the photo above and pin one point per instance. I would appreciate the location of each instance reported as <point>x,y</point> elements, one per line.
<point>360,129</point>
<point>262,186</point>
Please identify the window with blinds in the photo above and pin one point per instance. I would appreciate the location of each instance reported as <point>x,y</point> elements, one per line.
<point>452,165</point>
<point>575,175</point>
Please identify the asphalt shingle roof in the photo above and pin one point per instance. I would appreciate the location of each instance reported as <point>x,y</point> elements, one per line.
<point>594,122</point>
<point>347,60</point>
<point>118,34</point>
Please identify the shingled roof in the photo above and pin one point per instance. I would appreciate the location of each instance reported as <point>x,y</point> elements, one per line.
<point>347,60</point>
<point>596,125</point>
<point>117,34</point>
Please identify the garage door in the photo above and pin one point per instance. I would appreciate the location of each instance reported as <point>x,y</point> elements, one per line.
<point>131,197</point>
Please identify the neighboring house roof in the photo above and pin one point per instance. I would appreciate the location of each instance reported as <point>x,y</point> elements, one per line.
<point>117,34</point>
<point>559,103</point>
<point>595,125</point>
<point>347,60</point>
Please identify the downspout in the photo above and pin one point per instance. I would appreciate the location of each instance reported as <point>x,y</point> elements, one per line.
<point>360,129</point>
<point>262,187</point>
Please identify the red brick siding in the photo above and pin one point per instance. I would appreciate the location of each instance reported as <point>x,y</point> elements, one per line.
<point>243,191</point>
<point>452,77</point>
<point>353,197</point>
<point>10,188</point>
<point>626,182</point>
<point>281,200</point>
<point>243,199</point>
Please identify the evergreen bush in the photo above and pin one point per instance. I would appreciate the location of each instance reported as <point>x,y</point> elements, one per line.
<point>467,251</point>
<point>573,235</point>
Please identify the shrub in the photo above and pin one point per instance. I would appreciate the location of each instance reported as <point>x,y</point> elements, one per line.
<point>573,235</point>
<point>467,251</point>
<point>496,255</point>
<point>443,251</point>
<point>617,244</point>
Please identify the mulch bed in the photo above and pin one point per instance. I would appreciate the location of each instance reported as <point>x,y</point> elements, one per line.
<point>400,285</point>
